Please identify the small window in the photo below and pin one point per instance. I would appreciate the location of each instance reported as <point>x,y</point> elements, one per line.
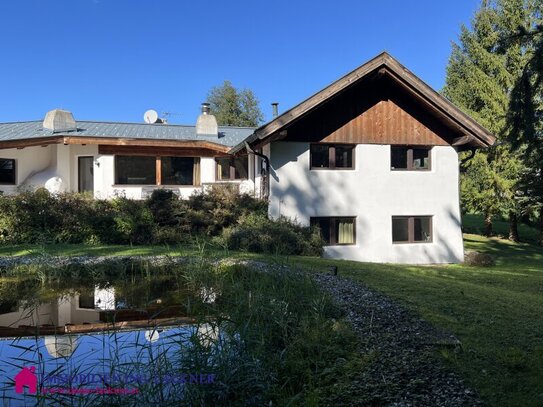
<point>411,229</point>
<point>336,230</point>
<point>130,170</point>
<point>7,171</point>
<point>86,301</point>
<point>180,170</point>
<point>410,159</point>
<point>331,156</point>
<point>229,169</point>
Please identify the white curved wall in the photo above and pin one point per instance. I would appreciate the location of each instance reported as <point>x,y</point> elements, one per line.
<point>373,193</point>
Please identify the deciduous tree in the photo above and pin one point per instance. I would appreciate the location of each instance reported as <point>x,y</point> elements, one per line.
<point>233,107</point>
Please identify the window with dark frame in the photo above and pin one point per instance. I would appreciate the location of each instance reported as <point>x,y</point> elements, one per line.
<point>151,170</point>
<point>410,158</point>
<point>7,171</point>
<point>336,230</point>
<point>135,170</point>
<point>331,156</point>
<point>177,170</point>
<point>230,168</point>
<point>86,301</point>
<point>412,229</point>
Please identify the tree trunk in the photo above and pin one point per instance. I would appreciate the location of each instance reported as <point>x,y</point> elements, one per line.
<point>488,225</point>
<point>513,227</point>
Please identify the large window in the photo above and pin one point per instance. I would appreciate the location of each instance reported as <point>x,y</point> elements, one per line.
<point>7,171</point>
<point>411,229</point>
<point>229,169</point>
<point>411,159</point>
<point>180,171</point>
<point>332,156</point>
<point>336,230</point>
<point>140,170</point>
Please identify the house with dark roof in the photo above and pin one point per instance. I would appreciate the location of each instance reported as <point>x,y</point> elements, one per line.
<point>372,160</point>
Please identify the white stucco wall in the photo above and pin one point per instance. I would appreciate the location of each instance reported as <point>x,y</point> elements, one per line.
<point>62,161</point>
<point>28,161</point>
<point>373,194</point>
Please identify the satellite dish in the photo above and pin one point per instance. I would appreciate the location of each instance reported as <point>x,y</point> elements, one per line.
<point>150,116</point>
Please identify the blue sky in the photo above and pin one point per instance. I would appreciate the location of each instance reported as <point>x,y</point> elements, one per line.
<point>113,59</point>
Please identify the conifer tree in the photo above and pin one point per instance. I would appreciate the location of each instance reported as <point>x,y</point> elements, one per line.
<point>480,76</point>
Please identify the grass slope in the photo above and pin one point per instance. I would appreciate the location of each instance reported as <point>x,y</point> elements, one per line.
<point>496,312</point>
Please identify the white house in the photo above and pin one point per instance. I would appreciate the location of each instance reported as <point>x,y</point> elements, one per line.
<point>112,159</point>
<point>371,159</point>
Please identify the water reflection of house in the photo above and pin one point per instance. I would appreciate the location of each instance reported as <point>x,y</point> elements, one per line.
<point>60,346</point>
<point>76,309</point>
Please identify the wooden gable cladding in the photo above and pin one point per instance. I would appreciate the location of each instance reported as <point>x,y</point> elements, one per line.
<point>373,112</point>
<point>385,123</point>
<point>158,151</point>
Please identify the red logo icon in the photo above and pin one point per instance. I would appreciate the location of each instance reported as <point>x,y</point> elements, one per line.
<point>26,378</point>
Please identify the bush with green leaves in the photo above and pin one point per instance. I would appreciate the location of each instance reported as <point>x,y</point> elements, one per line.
<point>257,233</point>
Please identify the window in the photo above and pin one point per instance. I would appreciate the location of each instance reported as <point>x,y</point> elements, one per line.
<point>331,156</point>
<point>411,229</point>
<point>336,230</point>
<point>138,170</point>
<point>86,301</point>
<point>411,159</point>
<point>229,169</point>
<point>7,171</point>
<point>130,170</point>
<point>180,171</point>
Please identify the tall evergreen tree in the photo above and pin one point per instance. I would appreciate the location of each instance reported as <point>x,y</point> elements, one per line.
<point>480,76</point>
<point>233,107</point>
<point>525,116</point>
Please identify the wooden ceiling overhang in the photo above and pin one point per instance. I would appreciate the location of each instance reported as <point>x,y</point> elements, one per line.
<point>129,146</point>
<point>381,102</point>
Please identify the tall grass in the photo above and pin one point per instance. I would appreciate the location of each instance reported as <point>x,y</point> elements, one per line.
<point>268,335</point>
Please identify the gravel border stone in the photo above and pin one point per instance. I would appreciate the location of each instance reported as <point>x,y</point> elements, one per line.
<point>404,370</point>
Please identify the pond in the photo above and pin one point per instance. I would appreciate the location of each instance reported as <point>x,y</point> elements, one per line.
<point>99,335</point>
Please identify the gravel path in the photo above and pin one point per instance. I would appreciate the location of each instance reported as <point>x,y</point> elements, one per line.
<point>404,370</point>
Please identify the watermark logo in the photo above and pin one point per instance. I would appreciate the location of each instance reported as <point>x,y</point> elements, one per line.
<point>26,378</point>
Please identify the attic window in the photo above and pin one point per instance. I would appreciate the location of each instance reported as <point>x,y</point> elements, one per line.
<point>332,156</point>
<point>409,158</point>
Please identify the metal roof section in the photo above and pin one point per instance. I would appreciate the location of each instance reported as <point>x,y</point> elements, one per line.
<point>227,136</point>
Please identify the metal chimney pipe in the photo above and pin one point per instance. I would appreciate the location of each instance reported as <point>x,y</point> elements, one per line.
<point>205,108</point>
<point>275,112</point>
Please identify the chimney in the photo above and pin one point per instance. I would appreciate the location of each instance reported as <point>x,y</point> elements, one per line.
<point>275,113</point>
<point>206,123</point>
<point>58,120</point>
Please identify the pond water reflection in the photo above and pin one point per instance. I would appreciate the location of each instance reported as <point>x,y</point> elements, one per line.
<point>129,335</point>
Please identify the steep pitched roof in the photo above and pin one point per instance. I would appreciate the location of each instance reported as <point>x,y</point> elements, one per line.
<point>383,64</point>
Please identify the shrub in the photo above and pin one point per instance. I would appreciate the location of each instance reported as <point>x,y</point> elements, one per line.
<point>133,220</point>
<point>257,233</point>
<point>473,258</point>
<point>234,220</point>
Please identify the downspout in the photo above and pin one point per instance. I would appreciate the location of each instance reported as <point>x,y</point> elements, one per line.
<point>265,183</point>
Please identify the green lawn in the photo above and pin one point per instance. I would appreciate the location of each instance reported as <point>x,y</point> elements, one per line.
<point>474,224</point>
<point>496,312</point>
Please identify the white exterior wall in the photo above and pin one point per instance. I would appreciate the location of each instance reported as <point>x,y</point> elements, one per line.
<point>28,161</point>
<point>62,161</point>
<point>373,194</point>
